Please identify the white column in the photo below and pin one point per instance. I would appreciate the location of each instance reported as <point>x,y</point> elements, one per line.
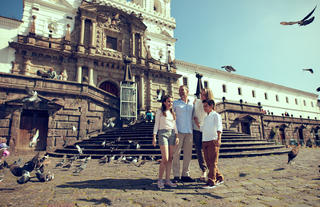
<point>142,104</point>
<point>91,76</point>
<point>79,74</point>
<point>93,33</point>
<point>82,30</point>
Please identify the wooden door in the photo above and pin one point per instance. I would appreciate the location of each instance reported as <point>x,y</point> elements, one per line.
<point>30,122</point>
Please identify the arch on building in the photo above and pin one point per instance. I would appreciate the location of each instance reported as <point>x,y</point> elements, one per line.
<point>316,131</point>
<point>245,121</point>
<point>282,133</point>
<point>110,87</point>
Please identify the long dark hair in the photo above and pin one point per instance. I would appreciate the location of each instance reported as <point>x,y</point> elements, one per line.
<point>164,108</point>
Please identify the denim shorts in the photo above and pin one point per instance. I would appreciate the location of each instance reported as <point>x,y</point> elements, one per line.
<point>166,137</point>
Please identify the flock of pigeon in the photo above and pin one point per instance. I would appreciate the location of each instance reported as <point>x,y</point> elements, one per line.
<point>23,172</point>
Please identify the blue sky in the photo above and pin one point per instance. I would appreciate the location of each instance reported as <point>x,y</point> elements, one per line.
<point>245,34</point>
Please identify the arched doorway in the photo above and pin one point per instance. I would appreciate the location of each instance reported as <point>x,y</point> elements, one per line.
<point>110,87</point>
<point>301,138</point>
<point>282,134</point>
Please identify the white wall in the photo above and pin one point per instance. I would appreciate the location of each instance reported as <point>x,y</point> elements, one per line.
<point>8,31</point>
<point>216,78</point>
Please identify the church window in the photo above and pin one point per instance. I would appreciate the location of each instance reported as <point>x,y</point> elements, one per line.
<point>277,98</point>
<point>304,102</point>
<point>239,91</point>
<point>205,83</point>
<point>112,43</point>
<point>185,81</point>
<point>296,101</point>
<point>311,104</point>
<point>266,96</point>
<point>224,88</point>
<point>253,94</point>
<point>287,100</point>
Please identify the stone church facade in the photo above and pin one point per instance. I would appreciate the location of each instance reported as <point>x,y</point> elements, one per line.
<point>73,52</point>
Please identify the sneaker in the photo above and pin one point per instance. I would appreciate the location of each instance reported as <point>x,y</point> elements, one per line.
<point>170,184</point>
<point>160,184</point>
<point>187,179</point>
<point>176,180</point>
<point>208,186</point>
<point>219,182</point>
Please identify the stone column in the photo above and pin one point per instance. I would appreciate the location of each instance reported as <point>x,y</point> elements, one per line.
<point>133,49</point>
<point>82,30</point>
<point>79,74</point>
<point>26,69</point>
<point>91,76</point>
<point>14,130</point>
<point>93,33</point>
<point>141,93</point>
<point>142,49</point>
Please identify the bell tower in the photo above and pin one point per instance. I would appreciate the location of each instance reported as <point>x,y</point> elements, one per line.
<point>161,7</point>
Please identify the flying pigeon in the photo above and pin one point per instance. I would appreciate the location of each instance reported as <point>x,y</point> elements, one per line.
<point>309,69</point>
<point>228,68</point>
<point>34,139</point>
<point>318,89</point>
<point>33,96</point>
<point>110,122</point>
<point>304,21</point>
<point>79,149</point>
<point>74,128</point>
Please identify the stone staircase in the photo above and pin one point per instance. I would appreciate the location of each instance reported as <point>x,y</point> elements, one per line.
<point>123,142</point>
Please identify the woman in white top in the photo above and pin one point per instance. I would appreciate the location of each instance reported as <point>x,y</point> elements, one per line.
<point>165,127</point>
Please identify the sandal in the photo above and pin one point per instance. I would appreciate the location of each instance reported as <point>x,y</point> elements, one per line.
<point>160,184</point>
<point>170,184</point>
<point>203,176</point>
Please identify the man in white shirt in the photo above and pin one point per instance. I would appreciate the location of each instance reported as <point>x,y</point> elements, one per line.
<point>211,141</point>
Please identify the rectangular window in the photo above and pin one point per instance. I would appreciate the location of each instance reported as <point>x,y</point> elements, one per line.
<point>205,83</point>
<point>296,101</point>
<point>277,98</point>
<point>239,91</point>
<point>304,102</point>
<point>224,88</point>
<point>112,43</point>
<point>253,94</point>
<point>287,100</point>
<point>311,104</point>
<point>185,81</point>
<point>266,96</point>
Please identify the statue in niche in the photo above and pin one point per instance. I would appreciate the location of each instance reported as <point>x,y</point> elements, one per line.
<point>170,61</point>
<point>115,21</point>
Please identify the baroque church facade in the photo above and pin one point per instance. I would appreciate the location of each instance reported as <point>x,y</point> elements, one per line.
<point>75,54</point>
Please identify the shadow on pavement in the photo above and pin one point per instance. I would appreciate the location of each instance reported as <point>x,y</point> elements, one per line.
<point>279,169</point>
<point>138,184</point>
<point>98,202</point>
<point>203,194</point>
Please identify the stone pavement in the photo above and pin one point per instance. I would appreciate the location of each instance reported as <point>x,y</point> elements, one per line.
<point>252,181</point>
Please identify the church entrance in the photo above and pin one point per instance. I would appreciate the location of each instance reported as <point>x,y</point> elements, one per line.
<point>110,87</point>
<point>30,122</point>
<point>282,135</point>
<point>245,127</point>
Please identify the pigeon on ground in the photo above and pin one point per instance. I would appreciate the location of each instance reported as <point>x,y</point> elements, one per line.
<point>103,160</point>
<point>79,149</point>
<point>302,22</point>
<point>292,154</point>
<point>41,177</point>
<point>24,178</point>
<point>49,176</point>
<point>29,166</point>
<point>34,139</point>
